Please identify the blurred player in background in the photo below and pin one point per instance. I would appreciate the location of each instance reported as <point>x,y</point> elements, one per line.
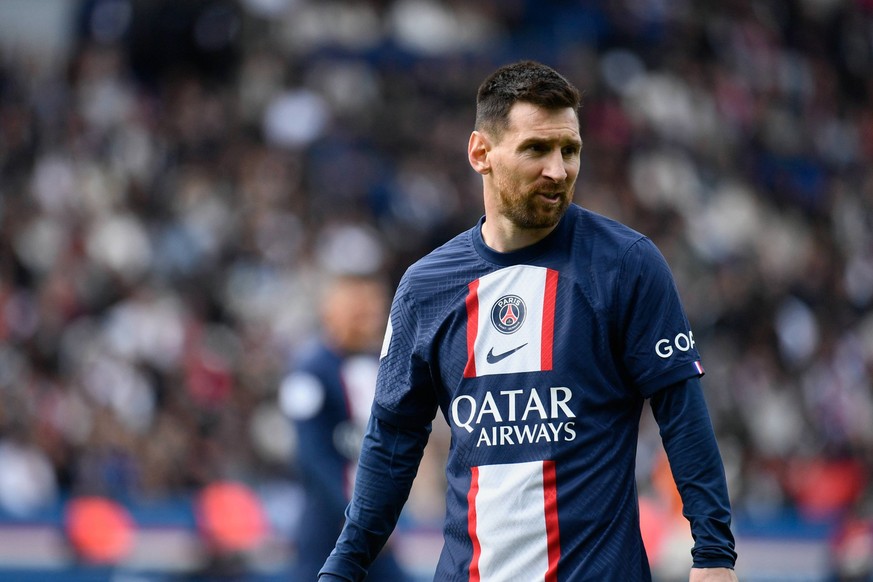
<point>539,334</point>
<point>328,395</point>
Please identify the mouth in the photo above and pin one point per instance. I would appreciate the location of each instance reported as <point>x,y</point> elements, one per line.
<point>551,196</point>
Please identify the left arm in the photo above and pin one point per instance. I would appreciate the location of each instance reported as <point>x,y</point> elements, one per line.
<point>667,371</point>
<point>689,440</point>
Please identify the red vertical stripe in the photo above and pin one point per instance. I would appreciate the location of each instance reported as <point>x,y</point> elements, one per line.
<point>472,328</point>
<point>548,338</point>
<point>553,536</point>
<point>471,524</point>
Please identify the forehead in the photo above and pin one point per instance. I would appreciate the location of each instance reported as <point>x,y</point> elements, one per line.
<point>527,120</point>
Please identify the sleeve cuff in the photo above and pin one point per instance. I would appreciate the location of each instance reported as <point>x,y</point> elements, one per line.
<point>338,569</point>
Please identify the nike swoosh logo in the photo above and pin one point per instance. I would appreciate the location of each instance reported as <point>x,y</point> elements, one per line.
<point>493,358</point>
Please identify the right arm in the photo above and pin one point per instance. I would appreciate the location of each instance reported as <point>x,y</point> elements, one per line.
<point>389,461</point>
<point>400,423</point>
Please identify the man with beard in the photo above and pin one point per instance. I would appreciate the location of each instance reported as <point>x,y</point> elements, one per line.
<point>539,333</point>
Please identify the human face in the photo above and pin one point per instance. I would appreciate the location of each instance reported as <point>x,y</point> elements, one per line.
<point>532,170</point>
<point>354,314</point>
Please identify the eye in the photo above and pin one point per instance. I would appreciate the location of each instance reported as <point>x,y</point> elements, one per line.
<point>570,151</point>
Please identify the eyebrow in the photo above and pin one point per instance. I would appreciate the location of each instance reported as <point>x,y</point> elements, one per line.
<point>544,140</point>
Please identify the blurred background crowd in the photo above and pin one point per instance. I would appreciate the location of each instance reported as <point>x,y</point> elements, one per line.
<point>177,179</point>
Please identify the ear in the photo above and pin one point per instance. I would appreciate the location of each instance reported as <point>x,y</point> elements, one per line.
<point>477,152</point>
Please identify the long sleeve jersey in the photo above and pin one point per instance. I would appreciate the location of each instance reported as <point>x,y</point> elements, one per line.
<point>540,360</point>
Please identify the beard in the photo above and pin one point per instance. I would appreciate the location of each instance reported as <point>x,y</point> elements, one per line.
<point>527,209</point>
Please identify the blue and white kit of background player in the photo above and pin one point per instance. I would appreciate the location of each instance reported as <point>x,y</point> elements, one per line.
<point>540,360</point>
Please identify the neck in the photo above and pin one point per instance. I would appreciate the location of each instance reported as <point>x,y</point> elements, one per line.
<point>503,236</point>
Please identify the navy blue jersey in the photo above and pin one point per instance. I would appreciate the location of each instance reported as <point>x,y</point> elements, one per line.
<point>328,396</point>
<point>540,361</point>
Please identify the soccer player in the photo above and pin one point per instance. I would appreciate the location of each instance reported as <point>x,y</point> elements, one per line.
<point>538,334</point>
<point>327,395</point>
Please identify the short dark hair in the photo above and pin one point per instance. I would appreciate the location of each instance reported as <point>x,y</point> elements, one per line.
<point>523,81</point>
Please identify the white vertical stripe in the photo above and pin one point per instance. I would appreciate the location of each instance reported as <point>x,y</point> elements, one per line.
<point>386,341</point>
<point>511,523</point>
<point>359,378</point>
<point>529,283</point>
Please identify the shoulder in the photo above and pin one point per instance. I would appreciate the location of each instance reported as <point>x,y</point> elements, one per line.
<point>314,356</point>
<point>445,258</point>
<point>605,243</point>
<point>441,269</point>
<point>436,283</point>
<point>604,233</point>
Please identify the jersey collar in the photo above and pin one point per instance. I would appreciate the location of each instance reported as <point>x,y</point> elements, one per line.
<point>555,241</point>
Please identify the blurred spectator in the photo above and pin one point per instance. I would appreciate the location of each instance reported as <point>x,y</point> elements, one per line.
<point>328,395</point>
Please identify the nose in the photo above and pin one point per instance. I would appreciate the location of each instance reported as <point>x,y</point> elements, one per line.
<point>554,167</point>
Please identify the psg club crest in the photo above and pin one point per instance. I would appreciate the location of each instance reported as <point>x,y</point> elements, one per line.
<point>508,313</point>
